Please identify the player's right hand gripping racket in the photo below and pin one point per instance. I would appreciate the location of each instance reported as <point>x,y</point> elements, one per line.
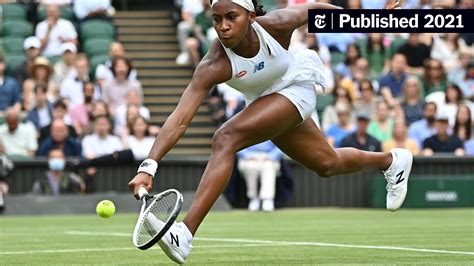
<point>157,214</point>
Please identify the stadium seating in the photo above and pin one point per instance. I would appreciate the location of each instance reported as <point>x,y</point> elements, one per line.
<point>13,61</point>
<point>13,12</point>
<point>97,46</point>
<point>19,28</point>
<point>149,37</point>
<point>322,102</point>
<point>94,61</point>
<point>13,45</point>
<point>96,29</point>
<point>336,58</point>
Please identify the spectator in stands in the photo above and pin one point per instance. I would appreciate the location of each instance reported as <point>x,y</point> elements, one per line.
<point>359,72</point>
<point>391,83</point>
<point>377,55</point>
<point>424,128</point>
<point>415,52</point>
<point>96,9</point>
<point>360,139</point>
<point>346,68</point>
<point>101,142</point>
<point>139,140</point>
<point>337,42</point>
<point>59,112</point>
<point>412,103</point>
<point>98,144</point>
<point>330,115</point>
<point>203,34</point>
<point>57,180</point>
<point>443,141</point>
<point>463,124</point>
<point>9,90</point>
<point>132,98</point>
<point>260,162</point>
<point>31,46</point>
<point>114,91</point>
<point>344,127</point>
<point>81,113</point>
<point>448,102</point>
<point>42,114</point>
<point>54,31</point>
<point>381,126</point>
<point>434,78</point>
<point>464,77</point>
<point>72,88</point>
<point>60,139</point>
<point>104,72</point>
<point>400,139</point>
<point>18,138</point>
<point>66,66</point>
<point>189,10</point>
<point>469,145</point>
<point>446,48</point>
<point>224,102</point>
<point>367,102</point>
<point>41,72</point>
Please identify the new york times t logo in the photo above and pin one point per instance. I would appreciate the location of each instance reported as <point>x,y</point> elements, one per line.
<point>391,21</point>
<point>320,21</point>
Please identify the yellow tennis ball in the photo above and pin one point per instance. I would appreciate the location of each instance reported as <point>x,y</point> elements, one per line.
<point>105,208</point>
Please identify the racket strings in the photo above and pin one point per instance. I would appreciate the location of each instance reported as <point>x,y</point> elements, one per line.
<point>158,213</point>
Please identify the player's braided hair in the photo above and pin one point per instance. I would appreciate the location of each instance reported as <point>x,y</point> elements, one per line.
<point>258,8</point>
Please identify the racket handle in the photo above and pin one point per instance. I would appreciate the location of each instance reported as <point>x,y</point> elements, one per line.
<point>142,192</point>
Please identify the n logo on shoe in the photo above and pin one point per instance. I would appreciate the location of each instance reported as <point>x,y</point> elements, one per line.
<point>400,179</point>
<point>174,239</point>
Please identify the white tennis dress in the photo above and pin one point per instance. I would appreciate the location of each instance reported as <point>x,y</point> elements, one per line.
<point>275,69</point>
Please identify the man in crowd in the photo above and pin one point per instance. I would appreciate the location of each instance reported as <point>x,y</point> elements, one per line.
<point>9,90</point>
<point>360,139</point>
<point>54,31</point>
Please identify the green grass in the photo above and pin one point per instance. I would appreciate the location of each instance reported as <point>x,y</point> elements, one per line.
<point>75,239</point>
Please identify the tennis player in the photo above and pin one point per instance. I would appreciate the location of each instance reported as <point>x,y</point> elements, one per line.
<point>251,55</point>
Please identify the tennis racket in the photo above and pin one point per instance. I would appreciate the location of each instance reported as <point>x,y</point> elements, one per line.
<point>157,214</point>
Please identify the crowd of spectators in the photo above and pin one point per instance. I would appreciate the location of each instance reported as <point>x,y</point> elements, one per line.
<point>414,90</point>
<point>55,104</point>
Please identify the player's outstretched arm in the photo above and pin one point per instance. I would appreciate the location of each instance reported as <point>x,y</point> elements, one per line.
<point>295,16</point>
<point>208,73</point>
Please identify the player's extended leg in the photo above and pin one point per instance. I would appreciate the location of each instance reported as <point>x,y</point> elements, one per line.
<point>264,119</point>
<point>306,145</point>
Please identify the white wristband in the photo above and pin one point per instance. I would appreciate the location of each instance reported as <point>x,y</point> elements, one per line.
<point>148,166</point>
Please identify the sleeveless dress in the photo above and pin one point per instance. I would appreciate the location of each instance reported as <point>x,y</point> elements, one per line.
<point>276,70</point>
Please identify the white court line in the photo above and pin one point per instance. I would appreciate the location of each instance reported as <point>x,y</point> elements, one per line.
<point>242,243</point>
<point>116,249</point>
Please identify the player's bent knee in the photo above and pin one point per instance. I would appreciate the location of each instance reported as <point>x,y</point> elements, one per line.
<point>327,168</point>
<point>223,140</point>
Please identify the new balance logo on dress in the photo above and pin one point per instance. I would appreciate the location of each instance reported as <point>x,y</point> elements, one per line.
<point>259,66</point>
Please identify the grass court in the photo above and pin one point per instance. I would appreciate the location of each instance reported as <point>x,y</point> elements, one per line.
<point>291,236</point>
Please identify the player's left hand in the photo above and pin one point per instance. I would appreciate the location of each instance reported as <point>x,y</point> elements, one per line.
<point>392,4</point>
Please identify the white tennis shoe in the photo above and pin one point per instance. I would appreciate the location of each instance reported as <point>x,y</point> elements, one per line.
<point>177,242</point>
<point>397,178</point>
